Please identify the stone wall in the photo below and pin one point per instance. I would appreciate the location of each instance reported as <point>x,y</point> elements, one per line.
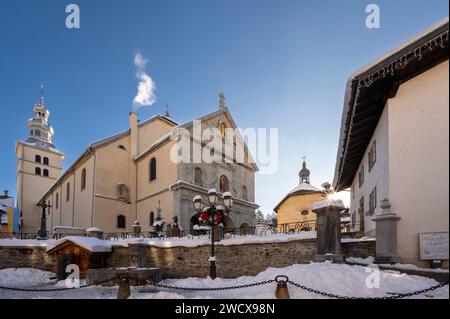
<point>180,262</point>
<point>232,261</point>
<point>30,257</point>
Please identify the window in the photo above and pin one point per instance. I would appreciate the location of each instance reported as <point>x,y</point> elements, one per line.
<point>67,192</point>
<point>122,147</point>
<point>37,158</point>
<point>198,176</point>
<point>152,169</point>
<point>83,179</point>
<point>361,176</point>
<point>31,132</point>
<point>372,201</point>
<point>48,209</point>
<point>122,192</point>
<point>361,205</point>
<point>372,155</point>
<point>46,161</point>
<point>37,171</point>
<point>45,172</point>
<point>304,212</point>
<point>224,184</point>
<point>244,193</point>
<point>353,191</point>
<point>57,201</point>
<point>121,221</point>
<point>152,218</point>
<point>37,133</point>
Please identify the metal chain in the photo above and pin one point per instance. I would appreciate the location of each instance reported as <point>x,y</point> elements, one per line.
<point>209,288</point>
<point>395,296</point>
<point>315,291</point>
<point>56,289</point>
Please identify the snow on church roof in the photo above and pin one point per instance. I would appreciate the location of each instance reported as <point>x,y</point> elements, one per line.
<point>303,187</point>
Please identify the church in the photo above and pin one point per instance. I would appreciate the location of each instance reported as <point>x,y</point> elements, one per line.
<point>294,211</point>
<point>127,177</point>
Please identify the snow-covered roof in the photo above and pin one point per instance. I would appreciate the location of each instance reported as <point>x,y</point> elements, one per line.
<point>92,244</point>
<point>300,189</point>
<point>329,202</point>
<point>40,144</point>
<point>304,187</point>
<point>351,92</point>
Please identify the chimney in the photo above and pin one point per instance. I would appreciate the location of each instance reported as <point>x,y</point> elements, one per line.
<point>133,133</point>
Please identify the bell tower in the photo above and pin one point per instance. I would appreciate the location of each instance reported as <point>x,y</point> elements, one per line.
<point>304,173</point>
<point>39,165</point>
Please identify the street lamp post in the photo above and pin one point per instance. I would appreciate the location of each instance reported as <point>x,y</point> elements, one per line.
<point>212,216</point>
<point>42,233</point>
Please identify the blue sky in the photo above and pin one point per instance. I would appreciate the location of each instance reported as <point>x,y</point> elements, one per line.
<point>281,64</point>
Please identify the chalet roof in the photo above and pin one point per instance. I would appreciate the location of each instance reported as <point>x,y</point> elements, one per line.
<point>91,244</point>
<point>300,189</point>
<point>369,88</point>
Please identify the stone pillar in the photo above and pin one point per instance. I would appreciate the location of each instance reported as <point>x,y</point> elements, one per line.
<point>386,234</point>
<point>136,229</point>
<point>139,254</point>
<point>328,213</point>
<point>94,232</point>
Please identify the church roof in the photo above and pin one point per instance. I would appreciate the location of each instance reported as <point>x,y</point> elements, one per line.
<point>369,88</point>
<point>40,145</point>
<point>303,188</point>
<point>300,189</point>
<point>162,140</point>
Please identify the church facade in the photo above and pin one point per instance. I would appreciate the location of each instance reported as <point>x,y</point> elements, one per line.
<point>131,177</point>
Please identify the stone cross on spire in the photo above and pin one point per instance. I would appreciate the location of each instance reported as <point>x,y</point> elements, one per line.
<point>222,101</point>
<point>41,102</point>
<point>167,113</point>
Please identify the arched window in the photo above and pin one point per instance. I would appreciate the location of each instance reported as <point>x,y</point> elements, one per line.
<point>45,172</point>
<point>37,171</point>
<point>46,161</point>
<point>37,158</point>
<point>244,193</point>
<point>224,184</point>
<point>83,179</point>
<point>57,201</point>
<point>152,218</point>
<point>198,176</point>
<point>67,192</point>
<point>152,169</point>
<point>121,221</point>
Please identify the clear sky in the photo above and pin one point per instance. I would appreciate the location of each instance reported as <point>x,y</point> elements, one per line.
<point>281,64</point>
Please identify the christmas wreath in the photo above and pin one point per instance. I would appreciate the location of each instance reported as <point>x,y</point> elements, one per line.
<point>212,216</point>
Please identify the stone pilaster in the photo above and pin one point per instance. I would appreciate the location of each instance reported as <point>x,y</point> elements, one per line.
<point>386,234</point>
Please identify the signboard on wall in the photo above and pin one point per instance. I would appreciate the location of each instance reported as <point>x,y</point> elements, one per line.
<point>433,246</point>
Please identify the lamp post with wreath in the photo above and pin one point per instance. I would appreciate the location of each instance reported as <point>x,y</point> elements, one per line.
<point>212,216</point>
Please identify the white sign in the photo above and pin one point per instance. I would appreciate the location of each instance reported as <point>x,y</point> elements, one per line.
<point>434,246</point>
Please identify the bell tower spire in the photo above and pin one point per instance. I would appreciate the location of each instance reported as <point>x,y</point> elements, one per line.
<point>304,173</point>
<point>39,128</point>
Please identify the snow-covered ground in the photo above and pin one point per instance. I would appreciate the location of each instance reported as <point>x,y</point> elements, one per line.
<point>370,260</point>
<point>334,278</point>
